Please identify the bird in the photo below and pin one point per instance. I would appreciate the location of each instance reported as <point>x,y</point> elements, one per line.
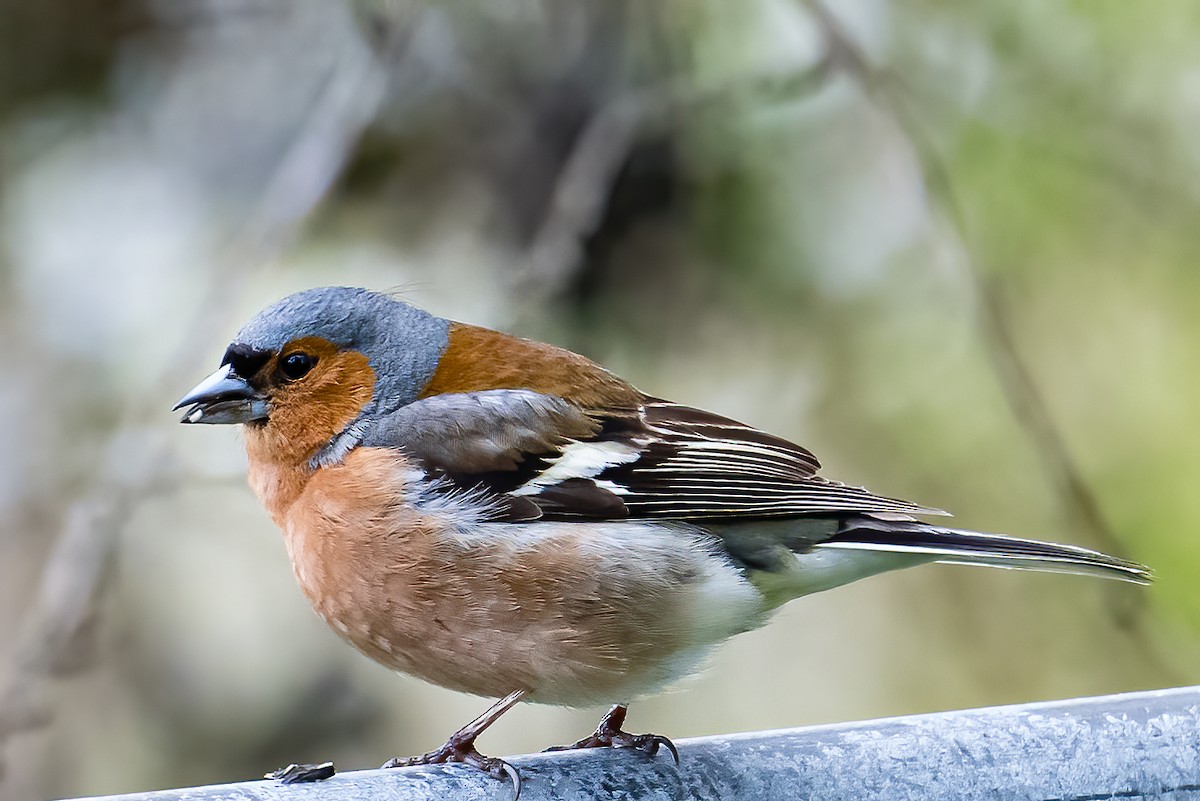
<point>507,518</point>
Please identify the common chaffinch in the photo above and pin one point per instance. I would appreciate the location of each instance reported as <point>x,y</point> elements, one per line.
<point>506,518</point>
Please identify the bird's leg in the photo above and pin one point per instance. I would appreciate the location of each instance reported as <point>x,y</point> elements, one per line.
<point>461,747</point>
<point>610,735</point>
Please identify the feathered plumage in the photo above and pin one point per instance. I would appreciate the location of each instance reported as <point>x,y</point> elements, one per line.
<point>507,518</point>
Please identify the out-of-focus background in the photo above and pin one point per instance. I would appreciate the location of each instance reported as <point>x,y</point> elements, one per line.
<point>951,247</point>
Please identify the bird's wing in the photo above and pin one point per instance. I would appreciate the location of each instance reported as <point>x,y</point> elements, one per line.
<point>543,456</point>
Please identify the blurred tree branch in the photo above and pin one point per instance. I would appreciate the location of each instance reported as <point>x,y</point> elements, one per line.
<point>53,634</point>
<point>1014,376</point>
<point>590,171</point>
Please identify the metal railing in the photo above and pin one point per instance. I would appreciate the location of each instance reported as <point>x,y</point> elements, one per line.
<point>1135,746</point>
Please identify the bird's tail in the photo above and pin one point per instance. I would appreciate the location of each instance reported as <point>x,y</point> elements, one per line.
<point>957,546</point>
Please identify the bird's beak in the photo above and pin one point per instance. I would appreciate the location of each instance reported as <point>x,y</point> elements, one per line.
<point>223,397</point>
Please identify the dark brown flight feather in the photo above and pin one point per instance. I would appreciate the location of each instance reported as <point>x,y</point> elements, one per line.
<point>540,452</point>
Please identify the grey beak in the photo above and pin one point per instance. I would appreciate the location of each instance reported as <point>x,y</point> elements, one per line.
<point>223,397</point>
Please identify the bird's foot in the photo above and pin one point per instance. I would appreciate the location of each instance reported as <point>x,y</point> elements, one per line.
<point>461,747</point>
<point>610,735</point>
<point>462,750</point>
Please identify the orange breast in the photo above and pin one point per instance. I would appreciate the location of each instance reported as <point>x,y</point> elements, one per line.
<point>491,608</point>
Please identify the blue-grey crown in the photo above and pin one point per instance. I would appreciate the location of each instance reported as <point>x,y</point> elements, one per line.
<point>401,342</point>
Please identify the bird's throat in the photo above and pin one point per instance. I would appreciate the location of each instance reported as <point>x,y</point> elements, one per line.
<point>278,482</point>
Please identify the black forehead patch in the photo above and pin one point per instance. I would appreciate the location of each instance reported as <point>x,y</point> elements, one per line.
<point>245,360</point>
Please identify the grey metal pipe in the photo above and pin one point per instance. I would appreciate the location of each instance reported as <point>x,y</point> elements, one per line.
<point>1138,745</point>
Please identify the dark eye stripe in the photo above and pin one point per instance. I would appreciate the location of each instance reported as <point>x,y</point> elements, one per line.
<point>245,360</point>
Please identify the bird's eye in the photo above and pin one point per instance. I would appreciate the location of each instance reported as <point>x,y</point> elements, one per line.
<point>297,365</point>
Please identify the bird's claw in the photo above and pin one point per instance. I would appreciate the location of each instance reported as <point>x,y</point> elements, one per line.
<point>650,744</point>
<point>499,769</point>
<point>607,738</point>
<point>466,754</point>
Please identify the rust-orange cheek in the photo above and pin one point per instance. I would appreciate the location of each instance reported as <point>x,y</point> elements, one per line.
<point>305,415</point>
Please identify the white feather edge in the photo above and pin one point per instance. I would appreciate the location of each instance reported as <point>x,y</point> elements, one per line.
<point>582,460</point>
<point>1045,564</point>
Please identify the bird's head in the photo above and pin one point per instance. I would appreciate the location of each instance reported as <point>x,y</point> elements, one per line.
<point>312,365</point>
